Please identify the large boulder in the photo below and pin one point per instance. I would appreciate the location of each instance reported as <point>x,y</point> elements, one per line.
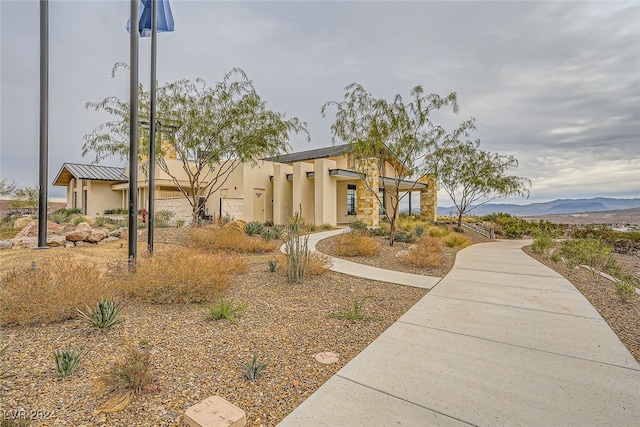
<point>77,235</point>
<point>6,244</point>
<point>96,235</point>
<point>55,240</point>
<point>22,222</point>
<point>83,226</point>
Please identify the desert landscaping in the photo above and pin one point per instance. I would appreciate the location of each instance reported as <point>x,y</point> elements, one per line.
<point>166,334</point>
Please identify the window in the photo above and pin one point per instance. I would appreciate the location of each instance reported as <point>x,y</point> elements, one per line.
<point>381,205</point>
<point>351,199</point>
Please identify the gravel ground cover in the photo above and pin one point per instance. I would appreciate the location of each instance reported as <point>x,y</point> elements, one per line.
<point>283,325</point>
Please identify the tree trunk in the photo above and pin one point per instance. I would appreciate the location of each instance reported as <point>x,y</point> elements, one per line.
<point>459,219</point>
<point>392,233</point>
<point>194,218</point>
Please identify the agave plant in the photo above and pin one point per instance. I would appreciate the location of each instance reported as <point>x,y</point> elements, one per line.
<point>253,370</point>
<point>66,361</point>
<point>103,315</point>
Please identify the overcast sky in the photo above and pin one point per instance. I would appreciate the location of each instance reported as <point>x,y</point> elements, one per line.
<point>556,84</point>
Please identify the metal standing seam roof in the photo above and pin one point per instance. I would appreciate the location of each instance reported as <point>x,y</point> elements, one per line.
<point>319,153</point>
<point>93,172</point>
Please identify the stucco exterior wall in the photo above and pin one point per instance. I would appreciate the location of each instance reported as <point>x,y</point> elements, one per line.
<point>257,177</point>
<point>303,191</point>
<point>282,193</point>
<point>324,193</point>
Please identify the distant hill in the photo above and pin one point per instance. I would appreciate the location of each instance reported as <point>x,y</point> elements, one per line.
<point>559,206</point>
<point>619,217</point>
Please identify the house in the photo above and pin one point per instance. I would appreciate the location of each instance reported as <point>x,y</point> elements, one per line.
<point>322,183</point>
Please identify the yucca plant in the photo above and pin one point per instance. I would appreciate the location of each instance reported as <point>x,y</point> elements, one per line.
<point>103,315</point>
<point>253,370</point>
<point>273,265</point>
<point>66,361</point>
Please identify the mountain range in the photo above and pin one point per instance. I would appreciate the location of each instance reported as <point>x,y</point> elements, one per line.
<point>559,206</point>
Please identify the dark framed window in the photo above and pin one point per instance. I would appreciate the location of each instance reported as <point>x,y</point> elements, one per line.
<point>351,199</point>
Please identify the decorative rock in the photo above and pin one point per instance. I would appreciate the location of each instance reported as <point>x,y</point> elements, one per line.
<point>215,411</point>
<point>96,236</point>
<point>326,358</point>
<point>83,226</point>
<point>115,233</point>
<point>6,244</point>
<point>55,240</point>
<point>77,235</point>
<point>82,243</point>
<point>22,222</point>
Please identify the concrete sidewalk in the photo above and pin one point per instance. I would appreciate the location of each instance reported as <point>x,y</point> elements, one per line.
<point>501,340</point>
<point>372,273</point>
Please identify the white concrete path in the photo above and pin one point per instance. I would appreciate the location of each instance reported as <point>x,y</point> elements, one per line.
<point>501,340</point>
<point>372,273</point>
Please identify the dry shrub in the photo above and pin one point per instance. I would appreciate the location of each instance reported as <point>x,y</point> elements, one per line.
<point>181,276</point>
<point>357,244</point>
<point>50,292</point>
<point>427,252</point>
<point>318,264</point>
<point>455,239</point>
<point>436,231</point>
<point>127,376</point>
<point>228,239</point>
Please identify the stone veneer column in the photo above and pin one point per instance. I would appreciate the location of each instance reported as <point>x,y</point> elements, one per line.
<point>429,199</point>
<point>366,201</point>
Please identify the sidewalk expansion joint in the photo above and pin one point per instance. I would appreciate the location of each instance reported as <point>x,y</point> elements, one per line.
<point>407,401</point>
<point>599,319</point>
<point>598,362</point>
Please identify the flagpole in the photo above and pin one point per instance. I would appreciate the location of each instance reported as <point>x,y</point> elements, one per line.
<point>152,125</point>
<point>133,133</point>
<point>44,123</point>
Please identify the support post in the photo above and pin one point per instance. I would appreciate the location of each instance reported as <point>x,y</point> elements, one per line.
<point>44,124</point>
<point>133,133</point>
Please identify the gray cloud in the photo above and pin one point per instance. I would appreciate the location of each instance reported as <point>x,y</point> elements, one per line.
<point>557,84</point>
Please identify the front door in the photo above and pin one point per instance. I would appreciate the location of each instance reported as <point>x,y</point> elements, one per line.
<point>258,204</point>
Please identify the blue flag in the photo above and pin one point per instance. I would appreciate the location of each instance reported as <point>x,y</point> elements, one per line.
<point>164,18</point>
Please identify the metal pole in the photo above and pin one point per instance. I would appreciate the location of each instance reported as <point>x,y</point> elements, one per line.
<point>152,126</point>
<point>44,123</point>
<point>133,133</point>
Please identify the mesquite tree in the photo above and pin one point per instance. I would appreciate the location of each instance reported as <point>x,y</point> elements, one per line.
<point>397,132</point>
<point>468,175</point>
<point>209,130</point>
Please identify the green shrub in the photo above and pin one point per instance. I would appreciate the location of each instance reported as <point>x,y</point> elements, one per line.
<point>326,226</point>
<point>543,242</point>
<point>404,237</point>
<point>100,221</point>
<point>358,225</point>
<point>77,220</point>
<point>419,230</point>
<point>223,310</point>
<point>162,219</point>
<point>378,231</point>
<point>254,227</point>
<point>103,315</point>
<point>66,361</point>
<point>591,252</point>
<point>254,369</point>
